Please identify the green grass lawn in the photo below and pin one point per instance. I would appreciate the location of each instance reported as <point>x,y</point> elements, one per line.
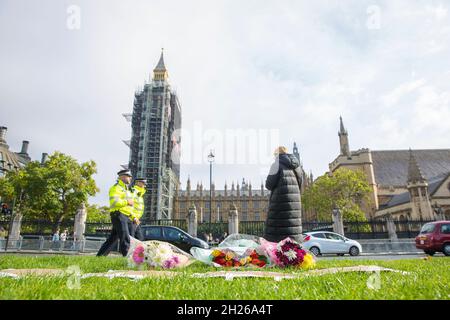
<point>428,280</point>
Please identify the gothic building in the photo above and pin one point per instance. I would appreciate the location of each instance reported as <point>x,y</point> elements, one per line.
<point>155,142</point>
<point>10,160</point>
<point>251,203</point>
<point>406,184</point>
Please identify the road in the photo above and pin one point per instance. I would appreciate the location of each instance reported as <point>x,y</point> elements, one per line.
<point>379,257</point>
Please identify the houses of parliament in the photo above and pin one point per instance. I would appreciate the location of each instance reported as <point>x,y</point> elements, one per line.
<point>251,203</point>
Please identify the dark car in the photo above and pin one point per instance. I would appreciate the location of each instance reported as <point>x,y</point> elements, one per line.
<point>434,237</point>
<point>173,235</point>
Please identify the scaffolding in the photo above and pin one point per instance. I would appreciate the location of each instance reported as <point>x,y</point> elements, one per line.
<point>150,147</point>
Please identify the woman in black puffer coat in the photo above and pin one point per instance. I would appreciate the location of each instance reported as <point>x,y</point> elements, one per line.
<point>284,218</point>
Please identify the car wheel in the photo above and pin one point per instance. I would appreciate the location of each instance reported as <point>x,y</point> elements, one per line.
<point>446,249</point>
<point>315,251</point>
<point>430,253</point>
<point>354,251</point>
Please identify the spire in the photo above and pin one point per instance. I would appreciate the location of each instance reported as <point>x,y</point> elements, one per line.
<point>342,128</point>
<point>343,140</point>
<point>295,151</point>
<point>160,71</point>
<point>188,184</point>
<point>3,142</point>
<point>414,172</point>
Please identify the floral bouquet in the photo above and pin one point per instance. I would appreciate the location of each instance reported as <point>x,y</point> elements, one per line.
<point>237,250</point>
<point>225,257</point>
<point>288,253</point>
<point>157,254</point>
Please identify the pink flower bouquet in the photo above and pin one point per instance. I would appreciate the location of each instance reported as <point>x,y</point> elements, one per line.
<point>287,253</point>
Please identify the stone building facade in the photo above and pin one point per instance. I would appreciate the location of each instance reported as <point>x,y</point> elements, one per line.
<point>10,160</point>
<point>250,203</point>
<point>406,184</point>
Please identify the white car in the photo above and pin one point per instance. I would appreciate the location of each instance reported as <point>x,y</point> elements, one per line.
<point>325,242</point>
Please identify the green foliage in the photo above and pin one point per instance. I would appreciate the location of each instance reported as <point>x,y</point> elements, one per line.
<point>53,190</point>
<point>98,214</point>
<point>346,189</point>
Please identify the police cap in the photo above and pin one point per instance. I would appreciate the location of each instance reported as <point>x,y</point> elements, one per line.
<point>124,173</point>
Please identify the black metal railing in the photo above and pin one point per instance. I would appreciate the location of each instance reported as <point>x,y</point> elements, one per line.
<point>374,229</point>
<point>310,226</point>
<point>44,227</point>
<point>255,228</point>
<point>216,229</point>
<point>179,223</point>
<point>103,229</point>
<point>97,229</point>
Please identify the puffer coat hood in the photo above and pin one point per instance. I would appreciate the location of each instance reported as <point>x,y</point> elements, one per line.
<point>289,161</point>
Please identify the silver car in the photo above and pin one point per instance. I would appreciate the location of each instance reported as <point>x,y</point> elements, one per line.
<point>325,242</point>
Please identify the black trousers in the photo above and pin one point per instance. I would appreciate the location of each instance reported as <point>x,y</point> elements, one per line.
<point>120,232</point>
<point>136,231</point>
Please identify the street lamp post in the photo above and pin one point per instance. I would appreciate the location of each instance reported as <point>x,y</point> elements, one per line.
<point>210,160</point>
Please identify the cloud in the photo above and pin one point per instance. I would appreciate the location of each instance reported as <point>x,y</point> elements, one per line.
<point>292,66</point>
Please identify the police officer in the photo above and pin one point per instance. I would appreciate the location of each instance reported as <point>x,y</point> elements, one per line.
<point>121,210</point>
<point>138,193</point>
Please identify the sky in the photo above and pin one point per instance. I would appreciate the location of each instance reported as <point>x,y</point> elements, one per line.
<point>274,72</point>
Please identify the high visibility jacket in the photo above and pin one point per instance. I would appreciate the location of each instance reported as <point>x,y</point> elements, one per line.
<point>138,198</point>
<point>119,194</point>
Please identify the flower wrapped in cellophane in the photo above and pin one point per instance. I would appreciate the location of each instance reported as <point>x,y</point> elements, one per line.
<point>288,253</point>
<point>250,251</point>
<point>235,251</point>
<point>226,257</point>
<point>157,254</point>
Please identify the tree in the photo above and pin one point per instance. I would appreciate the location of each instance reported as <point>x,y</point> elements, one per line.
<point>99,214</point>
<point>11,189</point>
<point>345,188</point>
<point>53,190</point>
